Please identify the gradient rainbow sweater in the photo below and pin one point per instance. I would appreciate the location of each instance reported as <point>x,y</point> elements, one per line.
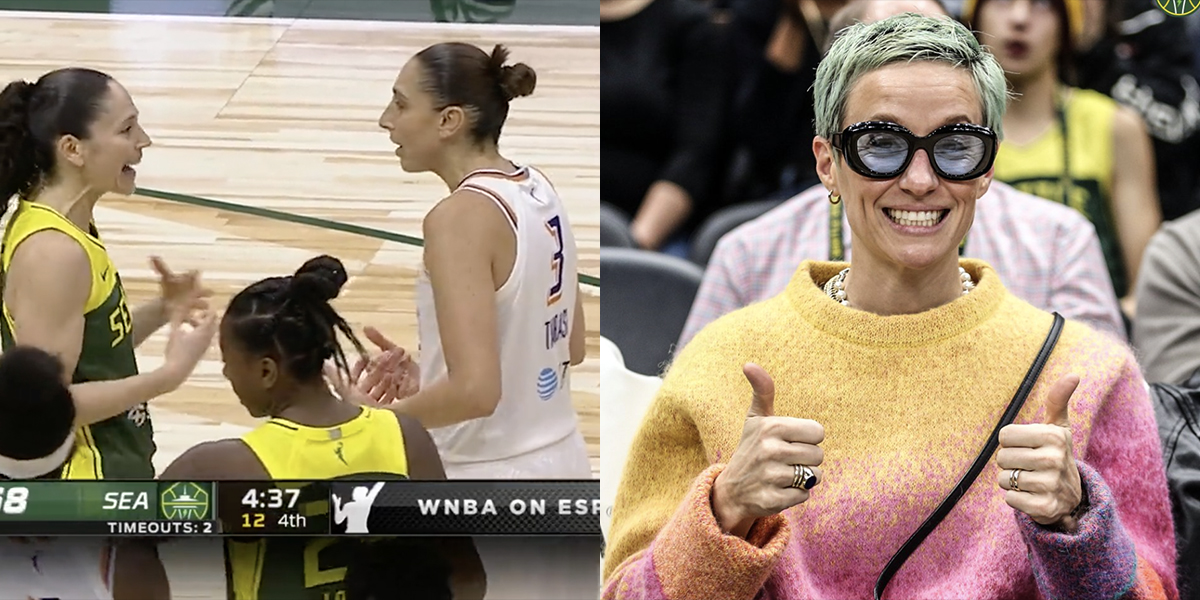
<point>907,402</point>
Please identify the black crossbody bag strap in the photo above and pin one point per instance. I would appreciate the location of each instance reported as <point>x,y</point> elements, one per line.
<point>1014,407</point>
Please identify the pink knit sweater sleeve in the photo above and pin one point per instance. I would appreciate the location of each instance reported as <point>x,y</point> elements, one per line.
<point>696,560</point>
<point>1125,544</point>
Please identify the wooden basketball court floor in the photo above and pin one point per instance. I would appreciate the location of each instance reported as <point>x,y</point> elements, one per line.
<point>282,115</point>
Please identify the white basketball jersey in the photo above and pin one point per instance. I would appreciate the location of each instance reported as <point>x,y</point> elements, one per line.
<point>535,309</point>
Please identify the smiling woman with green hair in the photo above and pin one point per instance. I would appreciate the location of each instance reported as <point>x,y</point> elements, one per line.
<point>910,421</point>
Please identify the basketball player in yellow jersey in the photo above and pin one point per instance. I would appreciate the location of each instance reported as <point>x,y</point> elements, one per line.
<point>276,336</point>
<point>1070,145</point>
<point>65,141</point>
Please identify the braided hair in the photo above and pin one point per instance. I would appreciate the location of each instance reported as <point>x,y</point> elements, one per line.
<point>291,319</point>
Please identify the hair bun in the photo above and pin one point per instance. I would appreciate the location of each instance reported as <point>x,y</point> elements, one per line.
<point>515,80</point>
<point>320,278</point>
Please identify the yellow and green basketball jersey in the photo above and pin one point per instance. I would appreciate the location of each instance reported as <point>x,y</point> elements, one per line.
<point>1038,168</point>
<point>370,446</point>
<point>122,446</point>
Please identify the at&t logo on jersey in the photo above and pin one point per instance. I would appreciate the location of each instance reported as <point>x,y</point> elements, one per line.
<point>547,383</point>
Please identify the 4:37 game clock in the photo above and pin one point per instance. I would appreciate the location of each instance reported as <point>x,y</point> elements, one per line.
<point>274,508</point>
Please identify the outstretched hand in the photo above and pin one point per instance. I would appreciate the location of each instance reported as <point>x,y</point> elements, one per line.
<point>395,376</point>
<point>1048,486</point>
<point>391,375</point>
<point>180,292</point>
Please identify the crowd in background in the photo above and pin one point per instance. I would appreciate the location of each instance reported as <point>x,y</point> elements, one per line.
<point>707,105</point>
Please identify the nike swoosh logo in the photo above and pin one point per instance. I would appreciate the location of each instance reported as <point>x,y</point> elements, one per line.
<point>104,274</point>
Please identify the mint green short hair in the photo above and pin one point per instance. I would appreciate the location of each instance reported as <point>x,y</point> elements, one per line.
<point>862,48</point>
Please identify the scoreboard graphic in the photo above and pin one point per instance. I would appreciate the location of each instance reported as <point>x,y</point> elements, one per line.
<point>303,508</point>
<point>133,508</point>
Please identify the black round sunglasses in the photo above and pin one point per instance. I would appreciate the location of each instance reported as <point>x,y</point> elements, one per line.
<point>883,150</point>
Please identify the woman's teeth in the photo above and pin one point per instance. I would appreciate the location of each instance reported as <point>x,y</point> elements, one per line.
<point>915,218</point>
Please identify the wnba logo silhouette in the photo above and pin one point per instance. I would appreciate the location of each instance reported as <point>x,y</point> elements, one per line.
<point>357,511</point>
<point>1179,8</point>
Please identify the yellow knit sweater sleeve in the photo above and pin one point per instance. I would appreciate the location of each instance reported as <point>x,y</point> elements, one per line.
<point>669,462</point>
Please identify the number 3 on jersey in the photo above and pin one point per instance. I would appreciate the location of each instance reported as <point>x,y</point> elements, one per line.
<point>554,226</point>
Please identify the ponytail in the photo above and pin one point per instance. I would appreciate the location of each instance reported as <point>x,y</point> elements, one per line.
<point>18,170</point>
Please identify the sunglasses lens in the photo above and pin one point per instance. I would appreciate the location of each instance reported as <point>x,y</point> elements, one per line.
<point>881,151</point>
<point>959,154</point>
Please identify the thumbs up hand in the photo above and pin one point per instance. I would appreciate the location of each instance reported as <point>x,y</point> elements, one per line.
<point>761,477</point>
<point>1047,484</point>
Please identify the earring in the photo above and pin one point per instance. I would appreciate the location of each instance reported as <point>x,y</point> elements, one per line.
<point>832,199</point>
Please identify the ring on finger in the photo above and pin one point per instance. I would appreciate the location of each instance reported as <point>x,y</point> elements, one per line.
<point>804,478</point>
<point>1012,480</point>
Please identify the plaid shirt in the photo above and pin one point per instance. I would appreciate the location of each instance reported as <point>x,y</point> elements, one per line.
<point>1045,253</point>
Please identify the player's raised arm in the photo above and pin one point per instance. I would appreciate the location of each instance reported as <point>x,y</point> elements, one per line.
<point>48,284</point>
<point>99,400</point>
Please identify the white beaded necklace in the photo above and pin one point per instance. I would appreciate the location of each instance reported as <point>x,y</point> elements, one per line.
<point>836,286</point>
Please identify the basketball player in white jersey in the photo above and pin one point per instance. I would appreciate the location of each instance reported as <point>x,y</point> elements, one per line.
<point>498,302</point>
<point>37,419</point>
<point>498,310</point>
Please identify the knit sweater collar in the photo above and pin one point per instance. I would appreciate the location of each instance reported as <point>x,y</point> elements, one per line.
<point>806,295</point>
